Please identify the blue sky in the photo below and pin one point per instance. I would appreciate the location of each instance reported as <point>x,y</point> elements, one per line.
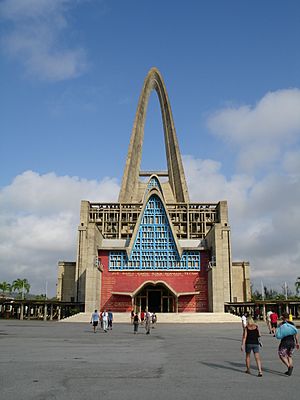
<point>71,76</point>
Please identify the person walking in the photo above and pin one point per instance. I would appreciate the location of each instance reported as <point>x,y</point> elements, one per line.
<point>244,320</point>
<point>110,319</point>
<point>154,319</point>
<point>147,322</point>
<point>95,320</point>
<point>250,342</point>
<point>269,313</point>
<point>287,346</point>
<point>136,323</point>
<point>105,320</point>
<point>274,321</point>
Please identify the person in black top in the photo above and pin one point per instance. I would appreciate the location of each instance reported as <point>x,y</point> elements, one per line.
<point>250,342</point>
<point>287,346</point>
<point>135,323</point>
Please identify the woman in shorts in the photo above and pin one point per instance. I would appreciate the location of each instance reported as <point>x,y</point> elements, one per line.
<point>287,347</point>
<point>250,342</point>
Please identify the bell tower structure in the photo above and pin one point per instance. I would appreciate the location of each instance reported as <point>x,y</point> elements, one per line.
<point>131,188</point>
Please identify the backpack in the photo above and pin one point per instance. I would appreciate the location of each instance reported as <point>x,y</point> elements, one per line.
<point>284,330</point>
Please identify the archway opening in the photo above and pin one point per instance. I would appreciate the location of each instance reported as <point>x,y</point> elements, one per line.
<point>154,138</point>
<point>156,298</point>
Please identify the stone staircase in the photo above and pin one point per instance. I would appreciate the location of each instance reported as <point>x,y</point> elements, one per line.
<point>167,318</point>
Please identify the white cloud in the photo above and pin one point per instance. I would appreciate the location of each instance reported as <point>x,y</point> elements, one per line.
<point>261,132</point>
<point>264,212</point>
<point>264,216</point>
<point>35,33</point>
<point>291,163</point>
<point>38,224</point>
<point>207,184</point>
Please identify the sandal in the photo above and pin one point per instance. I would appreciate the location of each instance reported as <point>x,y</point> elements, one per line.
<point>259,374</point>
<point>247,371</point>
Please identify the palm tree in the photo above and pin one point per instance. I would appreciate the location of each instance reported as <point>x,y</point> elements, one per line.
<point>297,285</point>
<point>5,287</point>
<point>21,285</point>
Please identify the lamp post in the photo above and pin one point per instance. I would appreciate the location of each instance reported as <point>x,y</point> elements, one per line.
<point>262,291</point>
<point>45,305</point>
<point>286,296</point>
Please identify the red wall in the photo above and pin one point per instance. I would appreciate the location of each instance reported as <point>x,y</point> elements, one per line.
<point>180,281</point>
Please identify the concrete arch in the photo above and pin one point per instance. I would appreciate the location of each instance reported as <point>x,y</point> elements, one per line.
<point>130,182</point>
<point>154,283</point>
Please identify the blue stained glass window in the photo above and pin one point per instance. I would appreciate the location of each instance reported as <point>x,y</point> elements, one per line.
<point>154,183</point>
<point>154,247</point>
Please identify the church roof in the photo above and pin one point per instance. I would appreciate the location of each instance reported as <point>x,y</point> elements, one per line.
<point>122,244</point>
<point>179,287</point>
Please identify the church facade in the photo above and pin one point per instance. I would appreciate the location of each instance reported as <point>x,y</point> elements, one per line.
<point>154,249</point>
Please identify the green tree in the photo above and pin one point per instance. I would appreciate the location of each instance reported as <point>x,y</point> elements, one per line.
<point>21,286</point>
<point>297,285</point>
<point>5,287</point>
<point>256,295</point>
<point>40,297</point>
<point>270,294</point>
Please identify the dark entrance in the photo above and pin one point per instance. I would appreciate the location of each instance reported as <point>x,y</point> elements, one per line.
<point>154,300</point>
<point>157,298</point>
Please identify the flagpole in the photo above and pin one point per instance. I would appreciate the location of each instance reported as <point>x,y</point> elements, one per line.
<point>263,299</point>
<point>286,296</point>
<point>262,291</point>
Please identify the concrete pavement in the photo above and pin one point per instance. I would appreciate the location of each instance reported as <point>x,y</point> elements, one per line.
<point>49,360</point>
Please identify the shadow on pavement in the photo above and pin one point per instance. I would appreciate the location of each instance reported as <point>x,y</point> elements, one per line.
<point>239,367</point>
<point>216,366</point>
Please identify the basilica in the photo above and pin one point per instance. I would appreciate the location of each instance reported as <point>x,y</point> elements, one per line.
<point>154,249</point>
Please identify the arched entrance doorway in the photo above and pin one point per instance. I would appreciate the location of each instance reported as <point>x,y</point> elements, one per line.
<point>156,298</point>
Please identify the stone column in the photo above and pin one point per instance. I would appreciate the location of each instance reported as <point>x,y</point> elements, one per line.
<point>21,311</point>
<point>88,275</point>
<point>45,312</point>
<point>219,276</point>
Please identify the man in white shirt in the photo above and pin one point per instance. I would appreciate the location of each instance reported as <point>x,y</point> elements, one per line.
<point>147,322</point>
<point>269,313</point>
<point>244,320</point>
<point>105,320</point>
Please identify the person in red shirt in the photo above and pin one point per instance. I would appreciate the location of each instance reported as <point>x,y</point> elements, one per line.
<point>274,319</point>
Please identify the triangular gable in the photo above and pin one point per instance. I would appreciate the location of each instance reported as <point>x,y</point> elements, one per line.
<point>154,183</point>
<point>154,244</point>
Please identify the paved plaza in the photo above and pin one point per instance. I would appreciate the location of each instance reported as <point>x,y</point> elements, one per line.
<point>51,360</point>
